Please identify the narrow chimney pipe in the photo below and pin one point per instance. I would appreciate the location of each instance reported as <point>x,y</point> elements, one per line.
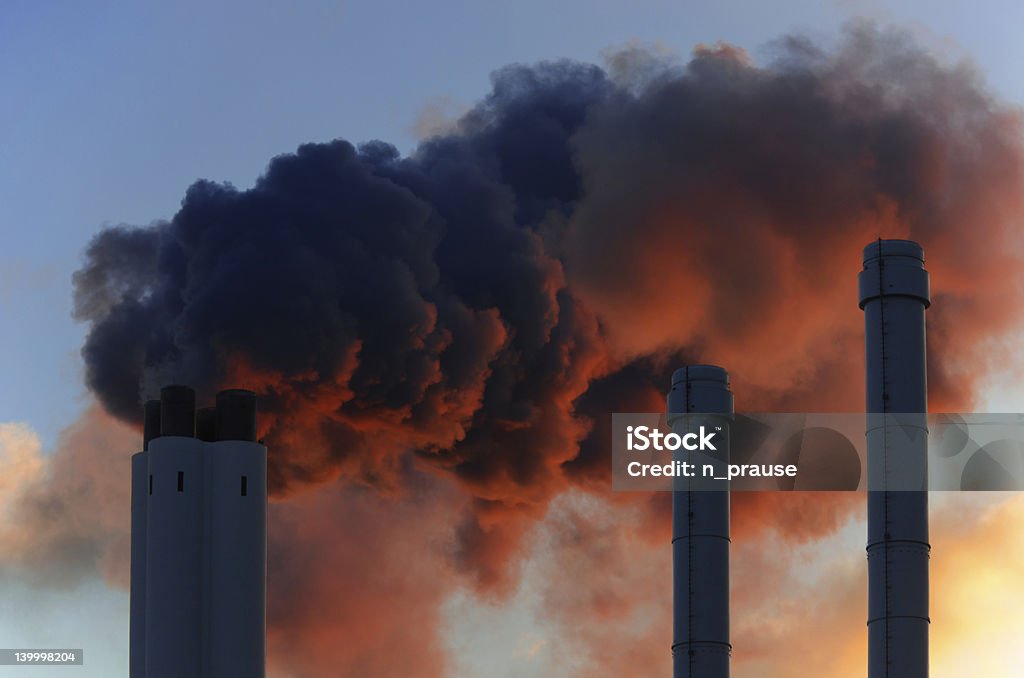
<point>700,536</point>
<point>151,426</point>
<point>177,411</point>
<point>894,293</point>
<point>206,424</point>
<point>236,415</point>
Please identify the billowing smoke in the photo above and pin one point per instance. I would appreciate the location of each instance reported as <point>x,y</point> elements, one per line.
<point>475,310</point>
<point>65,514</point>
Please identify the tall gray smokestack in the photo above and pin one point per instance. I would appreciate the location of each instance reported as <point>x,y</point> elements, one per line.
<point>199,540</point>
<point>894,293</point>
<point>700,533</point>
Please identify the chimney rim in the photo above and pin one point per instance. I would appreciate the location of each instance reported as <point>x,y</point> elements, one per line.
<point>895,247</point>
<point>701,372</point>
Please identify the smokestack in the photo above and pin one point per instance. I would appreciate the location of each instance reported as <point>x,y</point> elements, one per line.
<point>139,494</point>
<point>700,531</point>
<point>151,427</point>
<point>173,541</point>
<point>894,293</point>
<point>236,521</point>
<point>199,539</point>
<point>236,415</point>
<point>206,424</point>
<point>177,411</point>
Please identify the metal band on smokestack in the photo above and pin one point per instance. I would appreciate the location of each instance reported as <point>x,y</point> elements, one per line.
<point>700,534</point>
<point>894,293</point>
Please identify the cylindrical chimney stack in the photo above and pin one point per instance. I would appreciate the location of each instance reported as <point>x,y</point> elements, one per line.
<point>206,424</point>
<point>236,415</point>
<point>894,293</point>
<point>177,411</point>
<point>700,532</point>
<point>199,539</point>
<point>151,425</point>
<point>139,496</point>
<point>237,565</point>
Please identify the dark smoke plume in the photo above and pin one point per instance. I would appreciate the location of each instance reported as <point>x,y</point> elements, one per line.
<point>479,308</point>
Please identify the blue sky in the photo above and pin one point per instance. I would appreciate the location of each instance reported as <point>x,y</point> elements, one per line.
<point>110,110</point>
